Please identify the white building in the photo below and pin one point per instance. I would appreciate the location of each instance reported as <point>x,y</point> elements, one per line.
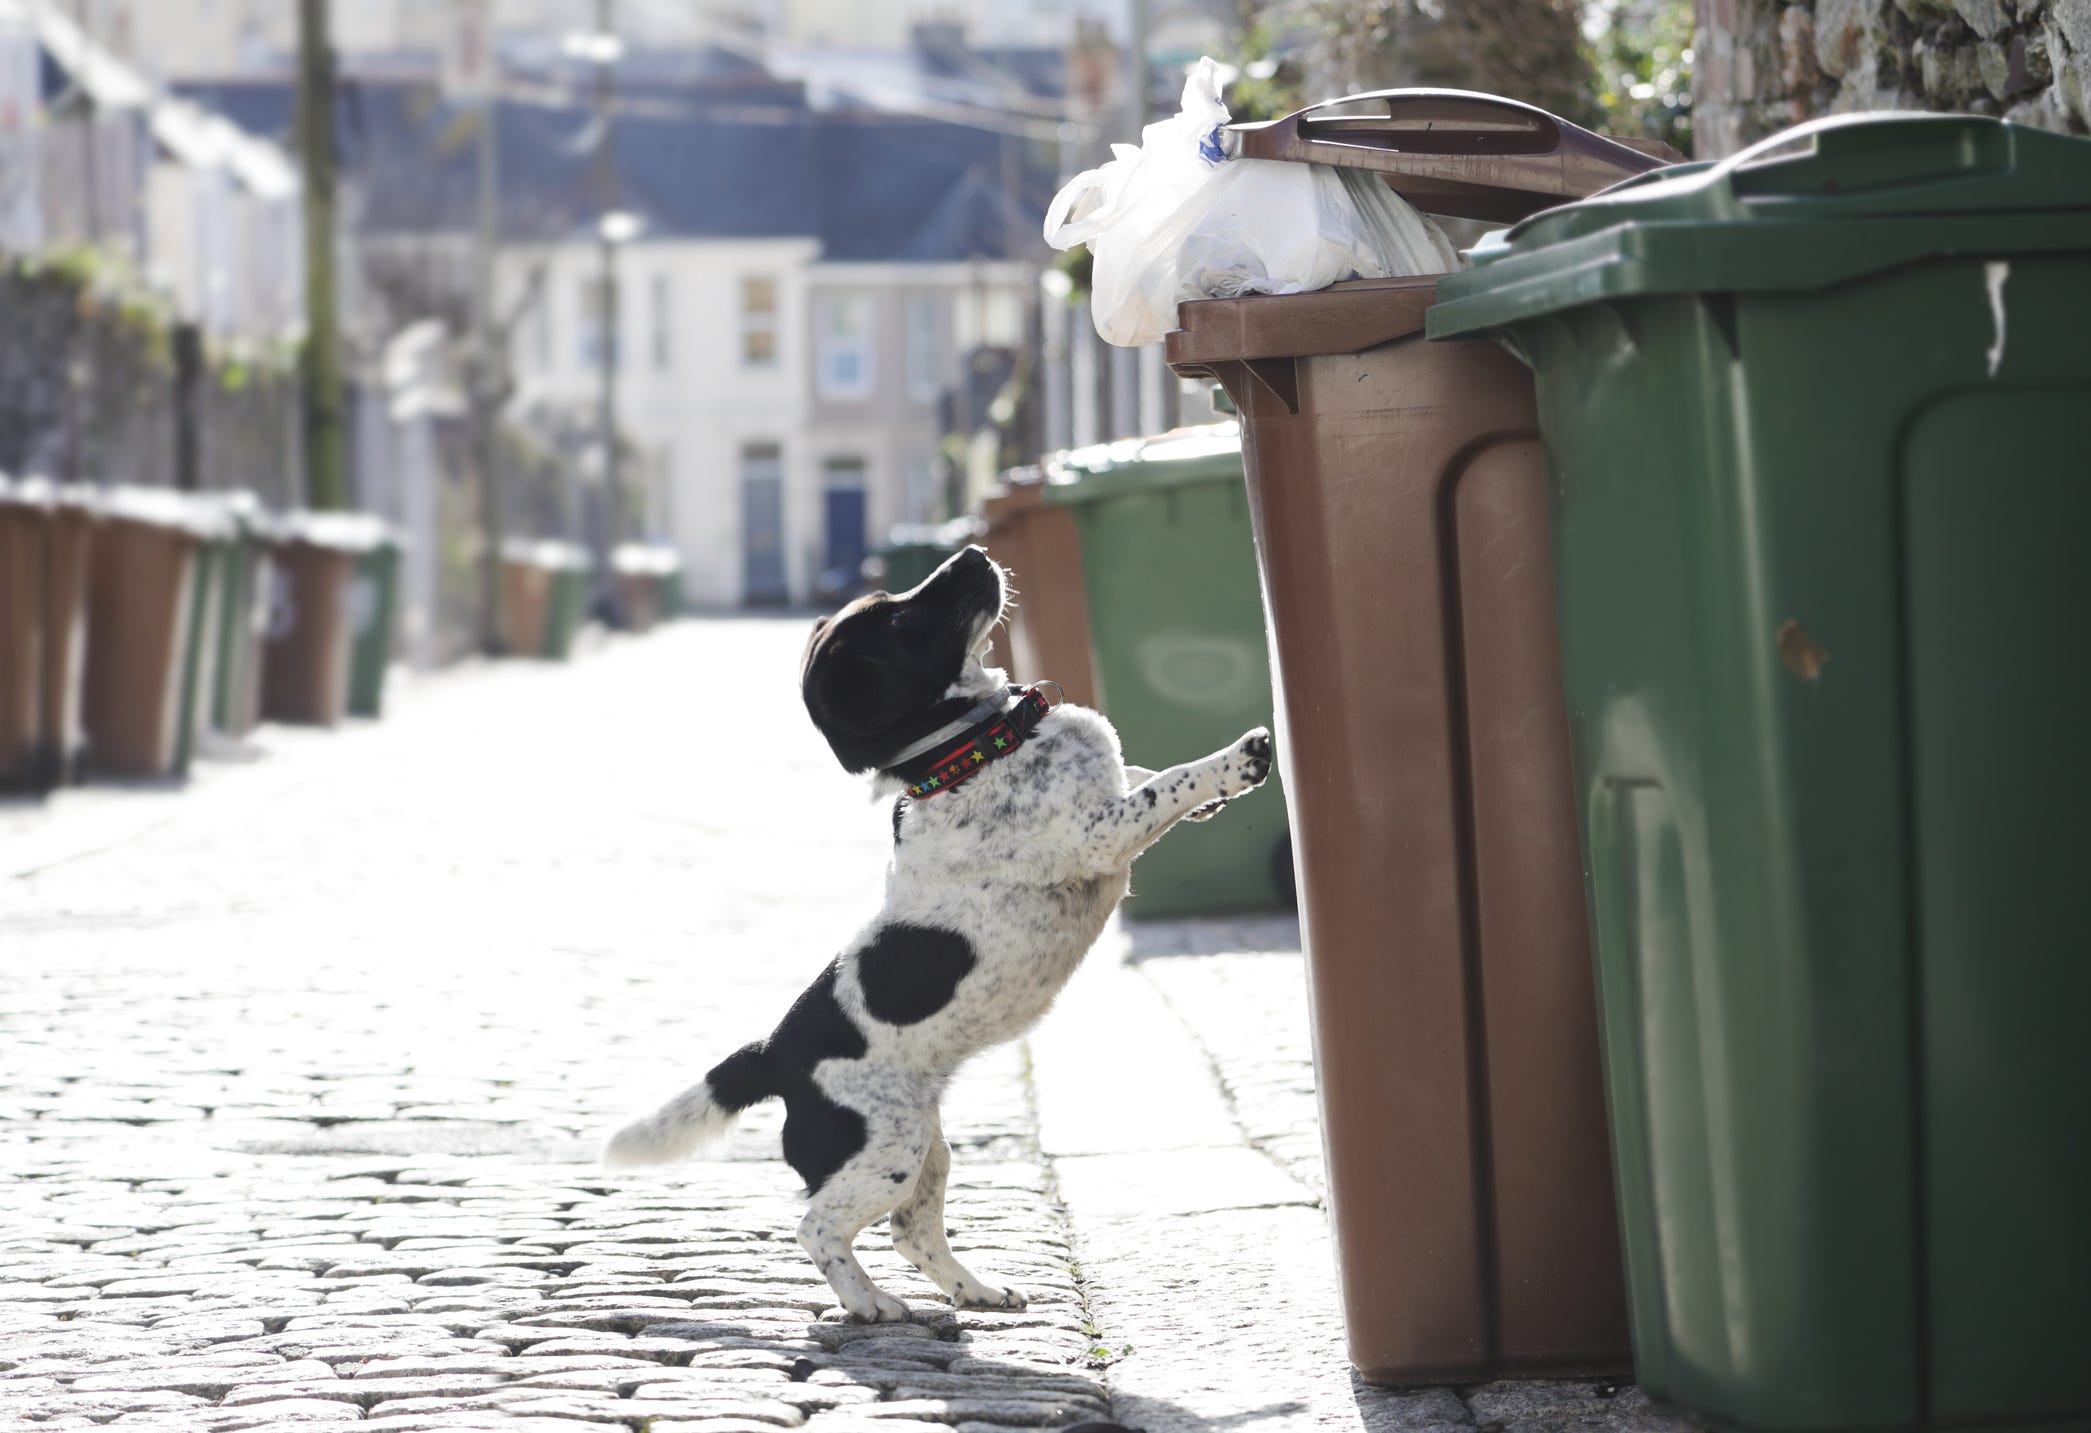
<point>784,406</point>
<point>804,288</point>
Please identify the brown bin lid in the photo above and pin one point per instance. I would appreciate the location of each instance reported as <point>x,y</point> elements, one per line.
<point>1343,318</point>
<point>1454,152</point>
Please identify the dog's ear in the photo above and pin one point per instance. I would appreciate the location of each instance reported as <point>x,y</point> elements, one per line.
<point>820,625</point>
<point>855,700</point>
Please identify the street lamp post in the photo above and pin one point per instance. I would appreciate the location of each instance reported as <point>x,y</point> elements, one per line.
<point>614,228</point>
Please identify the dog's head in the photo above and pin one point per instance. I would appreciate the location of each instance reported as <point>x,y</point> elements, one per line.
<point>888,670</point>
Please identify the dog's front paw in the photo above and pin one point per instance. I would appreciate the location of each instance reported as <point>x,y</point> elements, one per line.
<point>876,1307</point>
<point>972,1296</point>
<point>1254,756</point>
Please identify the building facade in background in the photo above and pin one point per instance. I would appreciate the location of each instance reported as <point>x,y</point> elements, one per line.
<point>830,320</point>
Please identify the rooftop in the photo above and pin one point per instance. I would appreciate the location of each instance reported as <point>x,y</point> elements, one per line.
<point>695,161</point>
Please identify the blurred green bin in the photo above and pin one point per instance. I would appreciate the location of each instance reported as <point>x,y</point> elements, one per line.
<point>1815,420</point>
<point>1178,649</point>
<point>912,551</point>
<point>233,689</point>
<point>568,604</point>
<point>214,536</point>
<point>373,609</point>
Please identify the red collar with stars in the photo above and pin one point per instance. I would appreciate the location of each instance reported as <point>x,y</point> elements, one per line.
<point>971,751</point>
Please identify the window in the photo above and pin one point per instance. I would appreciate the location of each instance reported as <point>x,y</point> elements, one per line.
<point>842,339</point>
<point>593,311</point>
<point>758,323</point>
<point>663,323</point>
<point>924,382</point>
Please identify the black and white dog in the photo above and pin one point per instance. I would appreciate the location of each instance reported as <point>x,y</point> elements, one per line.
<point>1014,834</point>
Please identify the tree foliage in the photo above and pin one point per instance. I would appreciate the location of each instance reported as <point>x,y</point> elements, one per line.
<point>1619,65</point>
<point>1641,54</point>
<point>1527,49</point>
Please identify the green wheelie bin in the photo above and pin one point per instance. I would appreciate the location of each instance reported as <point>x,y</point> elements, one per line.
<point>373,612</point>
<point>1178,651</point>
<point>216,535</point>
<point>1815,425</point>
<point>566,608</point>
<point>233,692</point>
<point>912,551</point>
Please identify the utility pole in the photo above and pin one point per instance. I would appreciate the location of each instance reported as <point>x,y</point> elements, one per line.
<point>607,237</point>
<point>489,379</point>
<point>326,428</point>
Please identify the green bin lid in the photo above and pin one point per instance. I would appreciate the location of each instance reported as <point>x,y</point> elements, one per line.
<point>1823,203</point>
<point>944,537</point>
<point>1207,453</point>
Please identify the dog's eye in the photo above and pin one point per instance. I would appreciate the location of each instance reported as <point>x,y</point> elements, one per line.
<point>901,616</point>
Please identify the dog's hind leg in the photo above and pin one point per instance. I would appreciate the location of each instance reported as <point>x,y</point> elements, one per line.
<point>918,1233</point>
<point>897,1133</point>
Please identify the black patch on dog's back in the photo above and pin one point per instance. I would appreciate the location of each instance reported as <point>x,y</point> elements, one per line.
<point>820,1136</point>
<point>910,971</point>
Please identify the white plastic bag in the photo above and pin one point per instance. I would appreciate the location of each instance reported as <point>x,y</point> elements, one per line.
<point>1176,219</point>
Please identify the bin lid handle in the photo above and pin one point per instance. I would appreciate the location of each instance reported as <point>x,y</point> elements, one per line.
<point>1458,153</point>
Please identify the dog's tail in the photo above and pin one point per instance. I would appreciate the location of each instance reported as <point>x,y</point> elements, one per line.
<point>699,1116</point>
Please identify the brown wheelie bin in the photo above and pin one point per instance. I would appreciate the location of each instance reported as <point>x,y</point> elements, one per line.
<point>1397,495</point>
<point>309,638</point>
<point>1047,635</point>
<point>45,536</point>
<point>68,548</point>
<point>22,526</point>
<point>526,598</point>
<point>141,627</point>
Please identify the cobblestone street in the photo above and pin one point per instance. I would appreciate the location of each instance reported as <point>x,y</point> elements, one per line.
<point>302,1071</point>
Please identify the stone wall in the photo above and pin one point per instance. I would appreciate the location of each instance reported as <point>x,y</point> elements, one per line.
<point>1762,65</point>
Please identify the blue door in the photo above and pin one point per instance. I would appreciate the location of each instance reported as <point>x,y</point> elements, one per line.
<point>842,556</point>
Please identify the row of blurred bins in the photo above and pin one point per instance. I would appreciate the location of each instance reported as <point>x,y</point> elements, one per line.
<point>546,586</point>
<point>136,625</point>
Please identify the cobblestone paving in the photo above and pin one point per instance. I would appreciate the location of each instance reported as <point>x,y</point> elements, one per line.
<point>302,1069</point>
<point>300,1082</point>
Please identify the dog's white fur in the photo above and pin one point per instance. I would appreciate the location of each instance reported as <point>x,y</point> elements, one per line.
<point>1026,861</point>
